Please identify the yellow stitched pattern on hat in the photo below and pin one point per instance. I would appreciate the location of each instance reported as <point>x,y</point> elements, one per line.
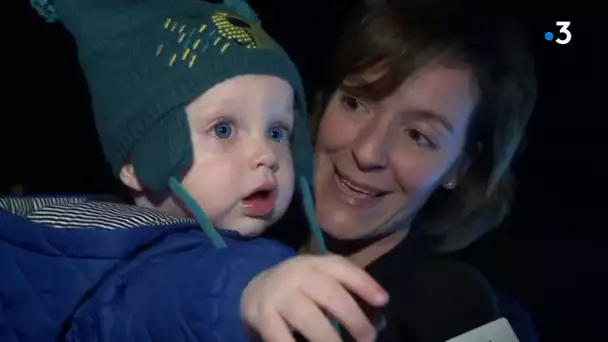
<point>227,29</point>
<point>186,38</point>
<point>235,28</point>
<point>186,53</point>
<point>197,43</point>
<point>172,61</point>
<point>192,61</point>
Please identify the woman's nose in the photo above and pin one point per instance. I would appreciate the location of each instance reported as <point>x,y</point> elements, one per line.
<point>370,150</point>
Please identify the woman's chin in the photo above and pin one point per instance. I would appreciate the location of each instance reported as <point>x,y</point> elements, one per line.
<point>344,227</point>
<point>345,234</point>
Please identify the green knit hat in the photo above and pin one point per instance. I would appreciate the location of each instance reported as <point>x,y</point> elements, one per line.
<point>146,60</point>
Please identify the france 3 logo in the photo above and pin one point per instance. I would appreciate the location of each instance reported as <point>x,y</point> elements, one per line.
<point>564,36</point>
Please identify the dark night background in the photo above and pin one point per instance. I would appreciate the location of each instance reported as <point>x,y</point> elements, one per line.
<point>548,254</point>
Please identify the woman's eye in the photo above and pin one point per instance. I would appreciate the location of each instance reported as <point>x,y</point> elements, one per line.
<point>278,134</point>
<point>350,103</point>
<point>223,130</point>
<point>420,138</point>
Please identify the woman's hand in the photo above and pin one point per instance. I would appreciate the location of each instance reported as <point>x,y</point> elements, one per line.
<point>295,294</point>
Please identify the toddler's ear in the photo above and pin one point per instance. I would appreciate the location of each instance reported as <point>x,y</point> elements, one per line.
<point>129,178</point>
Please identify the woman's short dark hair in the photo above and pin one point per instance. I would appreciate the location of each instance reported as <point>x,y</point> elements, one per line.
<point>402,36</point>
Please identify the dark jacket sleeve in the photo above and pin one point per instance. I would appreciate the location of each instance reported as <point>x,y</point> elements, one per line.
<point>7,333</point>
<point>518,317</point>
<point>180,290</point>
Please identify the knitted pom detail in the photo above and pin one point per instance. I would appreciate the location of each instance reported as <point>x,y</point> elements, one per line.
<point>45,9</point>
<point>242,8</point>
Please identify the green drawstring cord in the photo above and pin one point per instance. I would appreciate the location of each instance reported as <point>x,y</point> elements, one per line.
<point>216,238</point>
<point>218,241</point>
<point>198,213</point>
<point>309,209</point>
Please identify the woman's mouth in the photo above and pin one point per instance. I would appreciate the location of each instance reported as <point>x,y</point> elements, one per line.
<point>355,194</point>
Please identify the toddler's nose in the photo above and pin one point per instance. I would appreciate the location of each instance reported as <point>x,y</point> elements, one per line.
<point>264,156</point>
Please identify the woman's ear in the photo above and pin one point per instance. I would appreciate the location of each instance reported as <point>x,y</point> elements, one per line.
<point>129,178</point>
<point>460,167</point>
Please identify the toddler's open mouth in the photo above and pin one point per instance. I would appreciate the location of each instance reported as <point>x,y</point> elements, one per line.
<point>261,201</point>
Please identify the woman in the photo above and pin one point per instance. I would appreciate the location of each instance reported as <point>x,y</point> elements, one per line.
<point>424,110</point>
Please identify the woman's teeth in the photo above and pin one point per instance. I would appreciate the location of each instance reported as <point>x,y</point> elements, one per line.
<point>351,188</point>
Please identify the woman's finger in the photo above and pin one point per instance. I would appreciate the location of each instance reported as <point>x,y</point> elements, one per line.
<point>273,328</point>
<point>305,317</point>
<point>332,297</point>
<point>353,278</point>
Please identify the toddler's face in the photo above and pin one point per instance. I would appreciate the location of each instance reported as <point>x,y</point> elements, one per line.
<point>242,174</point>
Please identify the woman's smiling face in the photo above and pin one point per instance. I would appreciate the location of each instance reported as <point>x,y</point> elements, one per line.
<point>378,162</point>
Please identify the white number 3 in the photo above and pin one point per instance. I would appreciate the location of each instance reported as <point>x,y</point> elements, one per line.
<point>564,29</point>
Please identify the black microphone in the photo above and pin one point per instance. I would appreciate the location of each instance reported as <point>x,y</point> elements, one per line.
<point>438,301</point>
<point>442,300</point>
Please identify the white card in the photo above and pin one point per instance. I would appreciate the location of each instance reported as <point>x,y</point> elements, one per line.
<point>498,331</point>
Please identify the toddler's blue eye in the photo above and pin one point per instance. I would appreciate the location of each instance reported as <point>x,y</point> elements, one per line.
<point>277,134</point>
<point>223,130</point>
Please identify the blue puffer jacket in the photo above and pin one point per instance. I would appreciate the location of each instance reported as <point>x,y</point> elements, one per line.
<point>159,280</point>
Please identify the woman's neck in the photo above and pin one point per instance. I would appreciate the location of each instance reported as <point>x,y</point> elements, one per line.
<point>362,252</point>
